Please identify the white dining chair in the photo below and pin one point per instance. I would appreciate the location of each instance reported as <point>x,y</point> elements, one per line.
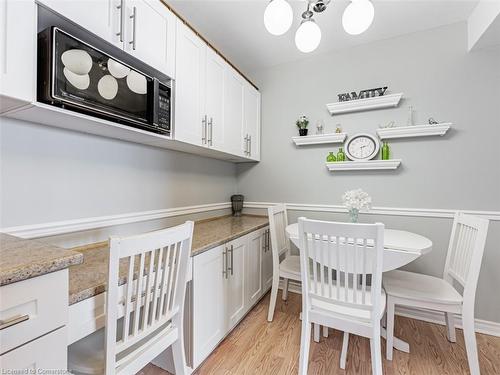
<point>289,267</point>
<point>336,259</point>
<point>463,263</point>
<point>144,316</point>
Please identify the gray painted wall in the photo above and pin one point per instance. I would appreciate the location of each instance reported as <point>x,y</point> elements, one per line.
<point>49,174</point>
<point>458,171</point>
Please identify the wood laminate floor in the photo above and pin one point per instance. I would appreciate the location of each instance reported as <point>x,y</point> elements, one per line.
<point>258,347</point>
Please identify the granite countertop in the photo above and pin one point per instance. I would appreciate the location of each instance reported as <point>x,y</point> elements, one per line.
<point>89,278</point>
<point>22,259</point>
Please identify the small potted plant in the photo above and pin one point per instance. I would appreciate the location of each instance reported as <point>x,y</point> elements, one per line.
<point>302,123</point>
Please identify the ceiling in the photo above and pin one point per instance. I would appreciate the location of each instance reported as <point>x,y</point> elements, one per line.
<point>236,27</point>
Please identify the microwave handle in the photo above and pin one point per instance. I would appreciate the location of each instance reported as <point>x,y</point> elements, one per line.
<point>121,8</point>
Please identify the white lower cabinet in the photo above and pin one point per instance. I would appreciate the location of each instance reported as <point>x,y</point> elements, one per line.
<point>227,282</point>
<point>267,261</point>
<point>47,353</point>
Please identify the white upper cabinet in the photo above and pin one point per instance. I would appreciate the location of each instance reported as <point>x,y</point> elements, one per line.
<point>214,100</point>
<point>233,111</point>
<point>251,137</point>
<point>17,53</point>
<point>95,16</point>
<point>190,118</point>
<point>150,34</point>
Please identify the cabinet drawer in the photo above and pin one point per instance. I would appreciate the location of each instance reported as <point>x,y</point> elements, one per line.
<point>49,352</point>
<point>39,305</point>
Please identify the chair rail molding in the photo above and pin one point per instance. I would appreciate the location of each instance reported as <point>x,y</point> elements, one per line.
<point>78,225</point>
<point>394,211</point>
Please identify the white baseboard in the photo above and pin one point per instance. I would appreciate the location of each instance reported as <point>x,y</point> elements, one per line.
<point>482,326</point>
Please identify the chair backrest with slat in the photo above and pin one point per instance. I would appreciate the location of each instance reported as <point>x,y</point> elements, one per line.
<point>465,252</point>
<point>156,271</point>
<point>347,253</point>
<point>278,222</point>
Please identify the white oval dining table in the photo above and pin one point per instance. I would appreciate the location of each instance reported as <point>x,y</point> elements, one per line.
<point>401,247</point>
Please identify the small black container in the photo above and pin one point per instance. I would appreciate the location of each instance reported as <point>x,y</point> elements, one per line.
<point>237,204</point>
<point>303,132</point>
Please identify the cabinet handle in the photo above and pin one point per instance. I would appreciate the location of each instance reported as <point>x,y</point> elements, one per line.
<point>133,17</point>
<point>224,263</point>
<point>211,131</point>
<point>246,144</point>
<point>231,250</point>
<point>249,145</point>
<point>6,323</point>
<point>120,33</point>
<point>204,130</point>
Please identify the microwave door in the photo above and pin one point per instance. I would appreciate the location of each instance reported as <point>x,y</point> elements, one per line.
<point>93,81</point>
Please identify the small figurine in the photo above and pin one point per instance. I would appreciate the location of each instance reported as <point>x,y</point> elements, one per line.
<point>432,121</point>
<point>320,125</point>
<point>338,129</point>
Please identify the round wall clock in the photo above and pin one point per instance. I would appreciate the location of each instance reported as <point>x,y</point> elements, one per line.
<point>362,147</point>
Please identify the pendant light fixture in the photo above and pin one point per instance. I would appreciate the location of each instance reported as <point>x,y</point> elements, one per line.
<point>358,16</point>
<point>278,17</point>
<point>308,35</point>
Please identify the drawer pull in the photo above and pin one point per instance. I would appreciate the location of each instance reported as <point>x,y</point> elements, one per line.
<point>13,321</point>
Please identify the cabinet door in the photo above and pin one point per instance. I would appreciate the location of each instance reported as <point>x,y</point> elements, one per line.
<point>252,120</point>
<point>38,356</point>
<point>209,322</point>
<point>235,286</point>
<point>189,85</point>
<point>214,98</point>
<point>254,267</point>
<point>233,111</point>
<point>98,17</point>
<point>150,31</point>
<point>267,262</point>
<point>17,53</point>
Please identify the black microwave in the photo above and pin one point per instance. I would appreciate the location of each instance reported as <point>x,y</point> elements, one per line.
<point>74,75</point>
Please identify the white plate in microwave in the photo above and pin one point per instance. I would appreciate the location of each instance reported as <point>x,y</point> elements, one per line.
<point>80,81</point>
<point>77,61</point>
<point>117,70</point>
<point>107,87</point>
<point>137,83</point>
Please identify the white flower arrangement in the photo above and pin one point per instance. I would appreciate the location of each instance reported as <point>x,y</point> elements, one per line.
<point>356,200</point>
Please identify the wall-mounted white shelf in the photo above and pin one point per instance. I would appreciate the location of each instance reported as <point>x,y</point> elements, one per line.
<point>414,131</point>
<point>363,165</point>
<point>319,139</point>
<point>377,102</point>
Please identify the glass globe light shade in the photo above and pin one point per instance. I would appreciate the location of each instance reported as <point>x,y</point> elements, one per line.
<point>278,17</point>
<point>308,36</point>
<point>358,16</point>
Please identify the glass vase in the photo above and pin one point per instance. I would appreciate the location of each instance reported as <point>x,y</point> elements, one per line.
<point>353,215</point>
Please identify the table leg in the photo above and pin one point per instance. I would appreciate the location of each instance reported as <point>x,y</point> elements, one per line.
<point>399,344</point>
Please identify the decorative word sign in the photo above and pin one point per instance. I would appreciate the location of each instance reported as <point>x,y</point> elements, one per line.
<point>363,94</point>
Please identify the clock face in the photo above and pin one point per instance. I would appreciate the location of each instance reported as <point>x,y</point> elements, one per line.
<point>362,147</point>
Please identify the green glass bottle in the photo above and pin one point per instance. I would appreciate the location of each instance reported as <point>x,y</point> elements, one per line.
<point>340,155</point>
<point>330,158</point>
<point>386,152</point>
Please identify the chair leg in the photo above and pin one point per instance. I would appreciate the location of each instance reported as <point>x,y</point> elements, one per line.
<point>325,331</point>
<point>450,325</point>
<point>305,342</point>
<point>389,328</point>
<point>284,295</point>
<point>343,354</point>
<point>178,353</point>
<point>376,351</point>
<point>316,332</point>
<point>274,296</point>
<point>470,342</point>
